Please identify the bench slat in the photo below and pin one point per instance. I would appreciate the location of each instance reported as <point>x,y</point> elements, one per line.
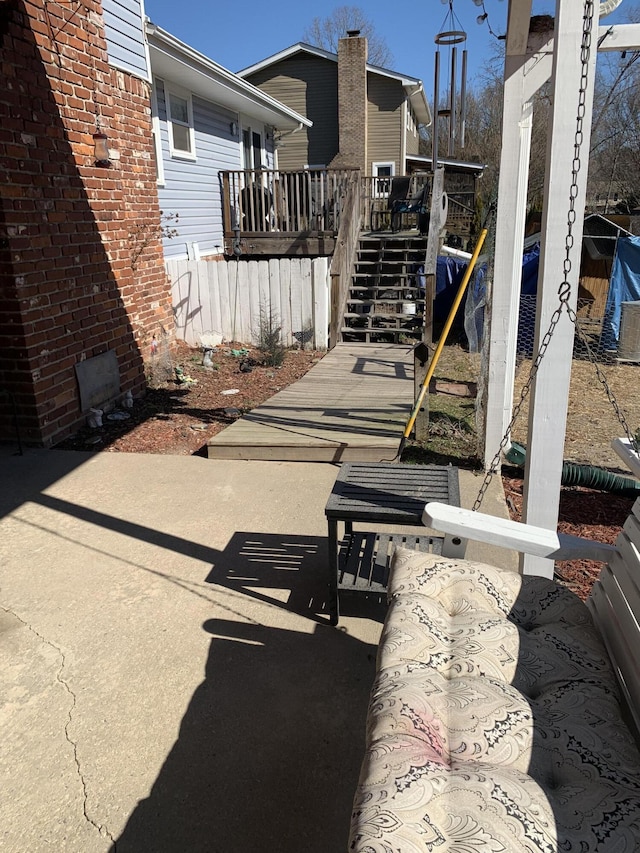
<point>613,618</point>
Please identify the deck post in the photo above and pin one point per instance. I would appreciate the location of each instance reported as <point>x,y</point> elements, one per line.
<point>421,365</point>
<point>510,224</point>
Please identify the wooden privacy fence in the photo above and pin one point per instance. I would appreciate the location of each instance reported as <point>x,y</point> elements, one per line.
<point>232,298</point>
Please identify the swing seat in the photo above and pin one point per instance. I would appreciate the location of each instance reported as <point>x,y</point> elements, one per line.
<point>505,711</point>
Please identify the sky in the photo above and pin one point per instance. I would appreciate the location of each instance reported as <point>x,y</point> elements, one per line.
<point>238,37</point>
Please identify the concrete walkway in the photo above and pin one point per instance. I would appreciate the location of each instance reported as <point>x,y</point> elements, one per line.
<point>169,681</point>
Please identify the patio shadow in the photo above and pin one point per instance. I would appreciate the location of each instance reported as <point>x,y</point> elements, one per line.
<point>269,749</point>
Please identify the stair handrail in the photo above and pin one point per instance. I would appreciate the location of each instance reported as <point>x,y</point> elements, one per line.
<point>344,255</point>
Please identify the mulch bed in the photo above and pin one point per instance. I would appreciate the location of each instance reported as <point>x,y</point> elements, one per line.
<point>178,415</point>
<point>583,512</point>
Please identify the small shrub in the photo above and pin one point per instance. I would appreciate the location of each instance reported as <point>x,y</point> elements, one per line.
<point>268,338</point>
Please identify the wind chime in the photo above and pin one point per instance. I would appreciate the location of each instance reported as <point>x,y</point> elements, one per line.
<point>453,112</point>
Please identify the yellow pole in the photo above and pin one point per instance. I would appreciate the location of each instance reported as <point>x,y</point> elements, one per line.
<point>443,338</point>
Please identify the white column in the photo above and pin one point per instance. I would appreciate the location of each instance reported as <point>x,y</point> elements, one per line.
<point>526,69</point>
<point>550,391</point>
<point>510,222</point>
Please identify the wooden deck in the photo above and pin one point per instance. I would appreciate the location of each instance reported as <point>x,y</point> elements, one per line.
<point>350,407</point>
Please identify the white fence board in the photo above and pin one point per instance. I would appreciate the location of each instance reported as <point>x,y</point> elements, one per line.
<point>243,302</point>
<point>296,299</point>
<point>230,297</point>
<point>226,299</point>
<point>320,290</point>
<point>274,296</point>
<point>285,305</point>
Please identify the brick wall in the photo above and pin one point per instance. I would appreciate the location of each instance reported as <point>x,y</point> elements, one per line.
<point>352,104</point>
<point>81,267</point>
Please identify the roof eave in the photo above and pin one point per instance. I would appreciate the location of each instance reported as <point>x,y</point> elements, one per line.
<point>177,61</point>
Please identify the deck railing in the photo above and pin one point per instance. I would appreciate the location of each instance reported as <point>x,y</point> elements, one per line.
<point>278,212</point>
<point>375,198</point>
<point>268,201</point>
<point>375,203</point>
<point>344,256</point>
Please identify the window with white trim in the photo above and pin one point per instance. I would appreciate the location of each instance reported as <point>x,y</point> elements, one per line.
<point>180,122</point>
<point>383,172</point>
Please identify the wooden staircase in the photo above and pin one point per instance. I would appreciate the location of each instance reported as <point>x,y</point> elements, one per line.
<point>385,303</point>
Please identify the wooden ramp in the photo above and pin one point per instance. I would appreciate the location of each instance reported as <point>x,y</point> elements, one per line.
<point>350,407</point>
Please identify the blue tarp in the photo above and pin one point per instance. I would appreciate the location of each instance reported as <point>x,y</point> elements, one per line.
<point>624,287</point>
<point>530,267</point>
<point>449,275</point>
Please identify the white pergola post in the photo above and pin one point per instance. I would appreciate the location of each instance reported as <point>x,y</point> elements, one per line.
<point>510,222</point>
<point>550,389</point>
<point>527,68</point>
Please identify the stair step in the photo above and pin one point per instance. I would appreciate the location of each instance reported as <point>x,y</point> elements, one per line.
<point>382,282</point>
<point>400,288</point>
<point>390,315</point>
<point>372,334</point>
<point>387,262</point>
<point>375,302</point>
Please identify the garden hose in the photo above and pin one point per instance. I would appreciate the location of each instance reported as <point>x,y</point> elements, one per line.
<point>588,476</point>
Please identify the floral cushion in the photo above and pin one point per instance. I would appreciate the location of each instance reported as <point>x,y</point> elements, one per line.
<point>494,722</point>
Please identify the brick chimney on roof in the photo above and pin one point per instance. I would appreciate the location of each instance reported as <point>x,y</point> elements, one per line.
<point>352,103</point>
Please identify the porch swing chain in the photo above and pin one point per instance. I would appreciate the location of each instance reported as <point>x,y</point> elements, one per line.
<point>564,290</point>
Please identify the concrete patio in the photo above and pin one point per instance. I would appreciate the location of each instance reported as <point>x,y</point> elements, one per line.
<point>169,678</point>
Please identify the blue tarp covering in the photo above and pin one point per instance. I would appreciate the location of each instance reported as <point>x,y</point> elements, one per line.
<point>624,287</point>
<point>449,275</point>
<point>530,267</point>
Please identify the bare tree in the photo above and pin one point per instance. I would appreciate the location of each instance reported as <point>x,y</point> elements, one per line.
<point>614,169</point>
<point>326,32</point>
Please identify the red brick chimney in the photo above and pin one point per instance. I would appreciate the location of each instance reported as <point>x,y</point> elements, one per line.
<point>352,103</point>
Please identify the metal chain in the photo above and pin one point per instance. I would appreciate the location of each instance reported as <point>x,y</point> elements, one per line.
<point>603,381</point>
<point>564,290</point>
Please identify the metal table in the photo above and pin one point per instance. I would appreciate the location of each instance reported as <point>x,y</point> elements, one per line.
<point>386,493</point>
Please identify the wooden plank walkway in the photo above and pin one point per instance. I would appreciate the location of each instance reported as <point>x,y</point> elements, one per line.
<point>350,407</point>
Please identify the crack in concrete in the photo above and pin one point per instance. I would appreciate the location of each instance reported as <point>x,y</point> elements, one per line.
<point>101,829</point>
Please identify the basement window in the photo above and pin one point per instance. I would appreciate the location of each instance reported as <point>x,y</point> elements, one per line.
<point>180,121</point>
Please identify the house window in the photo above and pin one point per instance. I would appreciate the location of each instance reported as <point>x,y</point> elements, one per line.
<point>411,121</point>
<point>180,120</point>
<point>382,173</point>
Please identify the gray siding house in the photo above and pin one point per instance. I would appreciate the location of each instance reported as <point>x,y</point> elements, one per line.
<point>388,107</point>
<point>205,120</point>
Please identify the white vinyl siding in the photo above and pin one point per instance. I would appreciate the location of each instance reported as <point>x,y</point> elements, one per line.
<point>124,34</point>
<point>192,188</point>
